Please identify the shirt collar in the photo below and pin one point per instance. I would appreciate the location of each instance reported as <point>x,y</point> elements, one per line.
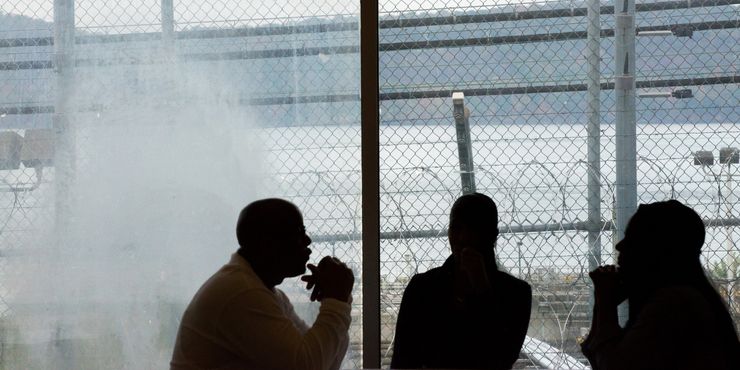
<point>449,266</point>
<point>242,264</point>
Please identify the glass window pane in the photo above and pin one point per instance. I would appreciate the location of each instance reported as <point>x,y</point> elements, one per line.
<point>523,70</point>
<point>177,117</point>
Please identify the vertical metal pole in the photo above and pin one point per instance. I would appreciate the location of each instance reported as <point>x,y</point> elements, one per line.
<point>296,79</point>
<point>626,130</point>
<point>730,244</point>
<point>593,137</point>
<point>64,130</point>
<point>168,29</point>
<point>464,143</point>
<point>519,262</point>
<point>168,21</point>
<point>64,150</point>
<point>168,70</point>
<point>593,132</point>
<point>370,141</point>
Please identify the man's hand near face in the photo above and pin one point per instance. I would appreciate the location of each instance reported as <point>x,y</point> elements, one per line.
<point>472,269</point>
<point>330,279</point>
<point>608,289</point>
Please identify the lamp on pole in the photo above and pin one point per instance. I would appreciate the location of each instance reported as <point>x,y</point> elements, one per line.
<point>727,157</point>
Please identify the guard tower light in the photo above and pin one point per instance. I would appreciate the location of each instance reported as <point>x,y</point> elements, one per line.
<point>10,150</point>
<point>682,94</point>
<point>679,30</point>
<point>678,94</point>
<point>729,155</point>
<point>703,158</point>
<point>683,30</point>
<point>38,148</point>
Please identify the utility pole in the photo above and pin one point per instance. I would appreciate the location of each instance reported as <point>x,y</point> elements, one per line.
<point>728,157</point>
<point>64,151</point>
<point>626,130</point>
<point>168,30</point>
<point>464,143</point>
<point>593,133</point>
<point>64,130</point>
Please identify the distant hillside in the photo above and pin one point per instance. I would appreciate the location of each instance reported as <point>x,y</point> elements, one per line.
<point>13,25</point>
<point>21,26</point>
<point>327,66</point>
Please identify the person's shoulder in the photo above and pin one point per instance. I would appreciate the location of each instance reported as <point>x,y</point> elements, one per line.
<point>687,297</point>
<point>229,281</point>
<point>430,279</point>
<point>431,275</point>
<point>671,305</point>
<point>512,283</point>
<point>682,313</point>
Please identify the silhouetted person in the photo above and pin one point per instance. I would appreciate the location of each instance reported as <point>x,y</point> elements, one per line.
<point>677,320</point>
<point>239,320</point>
<point>465,314</point>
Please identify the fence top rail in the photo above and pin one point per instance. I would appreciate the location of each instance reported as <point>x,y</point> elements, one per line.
<point>402,95</point>
<point>353,25</point>
<point>354,49</point>
<point>505,229</point>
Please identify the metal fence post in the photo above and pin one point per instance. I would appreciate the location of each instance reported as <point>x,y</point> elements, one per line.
<point>370,140</point>
<point>168,28</point>
<point>64,143</point>
<point>464,145</point>
<point>593,132</point>
<point>626,130</point>
<point>168,56</point>
<point>64,133</point>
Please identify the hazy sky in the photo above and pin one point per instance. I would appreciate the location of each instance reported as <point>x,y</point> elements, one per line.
<point>127,12</point>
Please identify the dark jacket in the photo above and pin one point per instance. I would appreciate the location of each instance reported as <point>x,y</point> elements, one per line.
<point>677,329</point>
<point>435,331</point>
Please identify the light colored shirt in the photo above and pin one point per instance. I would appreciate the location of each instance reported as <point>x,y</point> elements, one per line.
<point>235,322</point>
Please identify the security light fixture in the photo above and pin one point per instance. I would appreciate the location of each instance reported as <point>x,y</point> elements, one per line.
<point>678,94</point>
<point>10,150</point>
<point>682,94</point>
<point>38,148</point>
<point>677,30</point>
<point>655,94</point>
<point>683,30</point>
<point>655,33</point>
<point>729,155</point>
<point>703,158</point>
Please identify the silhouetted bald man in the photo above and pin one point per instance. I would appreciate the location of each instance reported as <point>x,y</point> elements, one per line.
<point>240,320</point>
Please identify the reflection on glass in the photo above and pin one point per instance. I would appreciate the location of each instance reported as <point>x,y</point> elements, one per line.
<point>178,114</point>
<point>522,69</point>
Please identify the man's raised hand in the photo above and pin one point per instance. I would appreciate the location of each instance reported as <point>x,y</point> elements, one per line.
<point>330,279</point>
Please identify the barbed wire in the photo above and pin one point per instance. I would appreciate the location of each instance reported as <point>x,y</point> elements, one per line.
<point>523,69</point>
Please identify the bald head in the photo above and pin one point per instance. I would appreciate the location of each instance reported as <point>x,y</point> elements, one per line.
<point>265,217</point>
<point>273,239</point>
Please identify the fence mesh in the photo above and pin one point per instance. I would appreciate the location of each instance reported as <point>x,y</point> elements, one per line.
<point>524,70</point>
<point>25,206</point>
<point>180,106</point>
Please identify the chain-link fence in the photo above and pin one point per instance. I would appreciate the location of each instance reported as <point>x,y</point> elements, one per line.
<point>525,71</point>
<point>180,112</point>
<point>27,180</point>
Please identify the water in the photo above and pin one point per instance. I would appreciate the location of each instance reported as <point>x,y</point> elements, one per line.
<point>158,192</point>
<point>536,173</point>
